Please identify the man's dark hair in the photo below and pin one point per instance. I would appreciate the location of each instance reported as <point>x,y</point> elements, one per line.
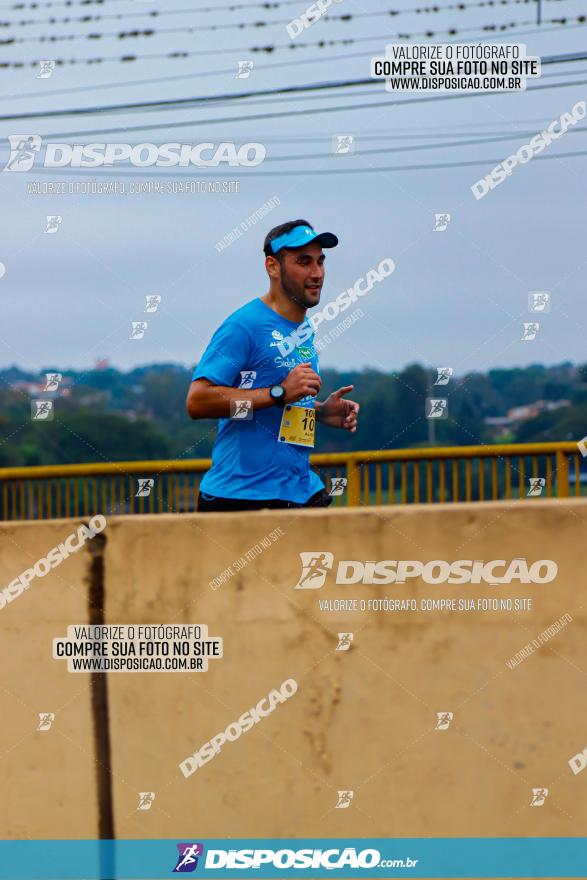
<point>281,230</point>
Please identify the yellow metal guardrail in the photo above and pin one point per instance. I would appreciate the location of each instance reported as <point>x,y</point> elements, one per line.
<point>395,476</point>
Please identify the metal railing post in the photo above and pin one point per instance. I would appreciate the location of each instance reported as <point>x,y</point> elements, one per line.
<point>562,474</point>
<point>353,485</point>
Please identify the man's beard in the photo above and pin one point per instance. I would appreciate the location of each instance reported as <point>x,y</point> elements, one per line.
<point>295,292</point>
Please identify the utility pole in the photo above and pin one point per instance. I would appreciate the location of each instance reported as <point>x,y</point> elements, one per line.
<point>431,422</point>
<point>539,12</point>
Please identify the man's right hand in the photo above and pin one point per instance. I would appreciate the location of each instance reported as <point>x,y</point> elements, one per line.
<point>301,382</point>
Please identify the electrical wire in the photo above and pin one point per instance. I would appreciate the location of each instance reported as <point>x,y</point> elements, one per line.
<point>67,172</point>
<point>573,56</point>
<point>158,13</point>
<point>305,112</point>
<point>203,100</point>
<point>580,20</point>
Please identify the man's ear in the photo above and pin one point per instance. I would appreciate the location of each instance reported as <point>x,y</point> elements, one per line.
<point>272,266</point>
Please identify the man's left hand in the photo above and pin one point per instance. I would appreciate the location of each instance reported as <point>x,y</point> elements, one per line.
<point>337,412</point>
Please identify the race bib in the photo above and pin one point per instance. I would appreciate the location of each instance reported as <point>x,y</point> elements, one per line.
<point>298,425</point>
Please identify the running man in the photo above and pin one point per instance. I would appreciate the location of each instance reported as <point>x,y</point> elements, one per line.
<point>264,460</point>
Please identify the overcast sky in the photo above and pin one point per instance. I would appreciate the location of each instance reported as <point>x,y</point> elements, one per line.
<point>456,298</point>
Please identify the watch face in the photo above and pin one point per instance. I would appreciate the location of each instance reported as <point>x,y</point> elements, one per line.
<point>277,391</point>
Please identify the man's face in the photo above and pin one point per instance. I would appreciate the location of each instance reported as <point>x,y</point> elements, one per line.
<point>302,274</point>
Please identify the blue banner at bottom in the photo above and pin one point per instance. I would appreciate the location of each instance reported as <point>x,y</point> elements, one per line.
<point>292,857</point>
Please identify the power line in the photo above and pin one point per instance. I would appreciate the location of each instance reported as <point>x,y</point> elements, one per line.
<point>149,32</point>
<point>356,94</point>
<point>417,147</point>
<point>387,137</point>
<point>182,29</point>
<point>176,77</point>
<point>176,103</point>
<point>266,5</point>
<point>304,112</point>
<point>477,141</point>
<point>490,28</point>
<point>397,133</point>
<point>403,133</point>
<point>461,7</point>
<point>577,56</point>
<point>306,172</point>
<point>182,54</point>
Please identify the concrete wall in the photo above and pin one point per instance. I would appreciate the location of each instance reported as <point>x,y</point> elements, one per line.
<point>49,787</point>
<point>362,719</point>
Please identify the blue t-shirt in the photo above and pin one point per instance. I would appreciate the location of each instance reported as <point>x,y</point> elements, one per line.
<point>248,461</point>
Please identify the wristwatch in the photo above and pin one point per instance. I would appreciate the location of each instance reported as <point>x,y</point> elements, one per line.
<point>277,395</point>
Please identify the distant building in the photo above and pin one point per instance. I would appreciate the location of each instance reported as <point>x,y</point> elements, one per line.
<point>500,426</point>
<point>36,388</point>
<point>30,388</point>
<point>531,410</point>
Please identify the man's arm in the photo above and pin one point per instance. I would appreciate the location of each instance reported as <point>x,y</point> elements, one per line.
<point>337,412</point>
<point>208,401</point>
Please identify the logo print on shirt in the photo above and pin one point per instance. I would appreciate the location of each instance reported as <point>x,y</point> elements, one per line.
<point>277,336</point>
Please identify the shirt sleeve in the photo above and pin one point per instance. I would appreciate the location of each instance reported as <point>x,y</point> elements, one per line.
<point>227,354</point>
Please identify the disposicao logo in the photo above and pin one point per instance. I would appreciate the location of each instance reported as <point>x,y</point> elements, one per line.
<point>25,147</point>
<point>315,566</point>
<point>187,860</point>
<point>327,859</point>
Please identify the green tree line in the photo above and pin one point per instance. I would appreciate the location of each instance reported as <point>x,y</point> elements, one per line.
<point>111,415</point>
